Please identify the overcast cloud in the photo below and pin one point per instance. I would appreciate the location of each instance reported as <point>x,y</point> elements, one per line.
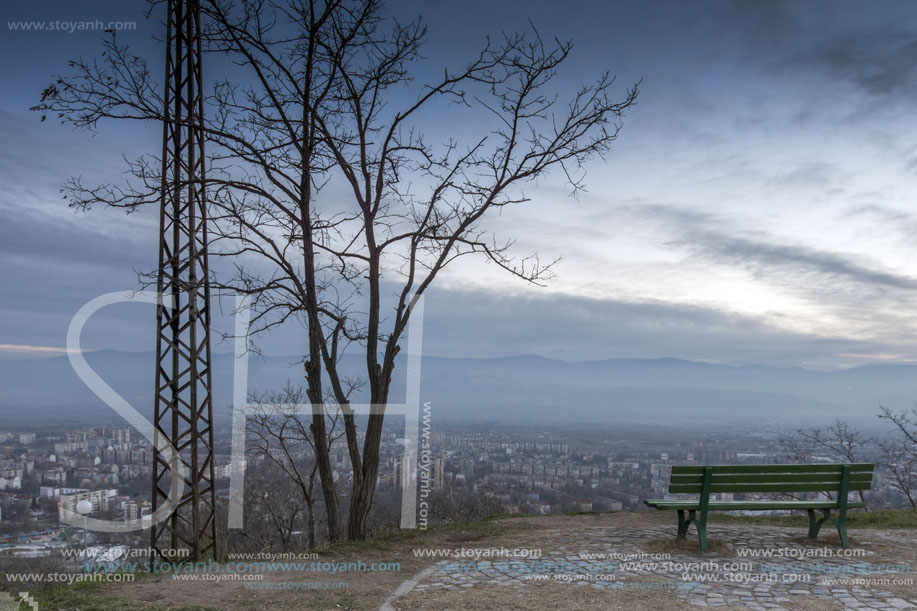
<point>757,207</point>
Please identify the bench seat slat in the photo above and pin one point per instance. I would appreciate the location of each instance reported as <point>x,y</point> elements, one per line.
<point>771,478</point>
<point>747,488</point>
<point>813,468</point>
<point>748,505</point>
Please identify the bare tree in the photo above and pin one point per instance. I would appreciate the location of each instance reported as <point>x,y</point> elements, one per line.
<point>453,503</point>
<point>280,434</point>
<point>899,451</point>
<point>322,102</point>
<point>796,448</point>
<point>840,441</point>
<point>276,510</point>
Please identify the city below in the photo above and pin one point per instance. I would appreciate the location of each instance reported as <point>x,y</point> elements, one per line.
<point>510,469</point>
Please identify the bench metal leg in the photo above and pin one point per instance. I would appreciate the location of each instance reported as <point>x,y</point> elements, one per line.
<point>684,523</point>
<point>701,526</point>
<point>814,525</point>
<point>826,516</point>
<point>840,521</point>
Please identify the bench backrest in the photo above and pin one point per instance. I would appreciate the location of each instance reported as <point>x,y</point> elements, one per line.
<point>698,479</point>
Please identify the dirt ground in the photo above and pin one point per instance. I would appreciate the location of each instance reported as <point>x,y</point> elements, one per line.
<point>556,597</point>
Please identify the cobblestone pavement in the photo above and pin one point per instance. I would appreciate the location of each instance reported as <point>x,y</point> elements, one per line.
<point>717,578</point>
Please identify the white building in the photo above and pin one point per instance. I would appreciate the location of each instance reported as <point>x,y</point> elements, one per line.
<point>66,506</point>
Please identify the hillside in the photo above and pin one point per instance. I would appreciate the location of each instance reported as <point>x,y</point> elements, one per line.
<point>592,562</point>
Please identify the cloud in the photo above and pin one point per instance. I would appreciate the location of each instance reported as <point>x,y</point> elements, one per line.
<point>763,256</point>
<point>879,61</point>
<point>725,81</point>
<point>496,323</point>
<point>16,352</point>
<point>877,357</point>
<point>39,349</point>
<point>890,219</point>
<point>784,278</point>
<point>815,173</point>
<point>721,240</point>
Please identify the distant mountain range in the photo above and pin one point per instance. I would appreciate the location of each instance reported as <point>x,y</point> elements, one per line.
<point>511,389</point>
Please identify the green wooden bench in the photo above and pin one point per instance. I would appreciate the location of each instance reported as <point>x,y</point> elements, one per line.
<point>707,480</point>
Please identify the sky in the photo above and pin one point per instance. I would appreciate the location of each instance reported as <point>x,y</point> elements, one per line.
<point>755,208</point>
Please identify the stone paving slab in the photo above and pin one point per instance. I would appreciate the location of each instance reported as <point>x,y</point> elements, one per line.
<point>609,557</point>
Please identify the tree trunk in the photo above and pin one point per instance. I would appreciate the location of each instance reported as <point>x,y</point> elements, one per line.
<point>363,495</point>
<point>326,476</point>
<point>310,526</point>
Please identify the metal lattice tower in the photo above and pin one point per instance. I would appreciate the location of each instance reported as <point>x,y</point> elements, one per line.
<point>183,411</point>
